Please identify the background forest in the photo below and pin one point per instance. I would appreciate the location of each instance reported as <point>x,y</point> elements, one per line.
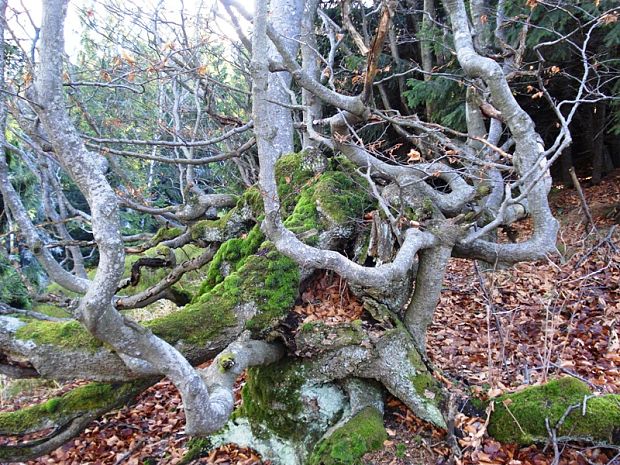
<point>323,232</point>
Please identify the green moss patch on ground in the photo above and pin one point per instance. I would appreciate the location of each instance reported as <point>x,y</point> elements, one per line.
<point>520,417</point>
<point>52,310</point>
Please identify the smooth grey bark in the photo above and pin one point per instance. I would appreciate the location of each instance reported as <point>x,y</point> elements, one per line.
<point>428,284</point>
<point>285,16</point>
<point>310,62</point>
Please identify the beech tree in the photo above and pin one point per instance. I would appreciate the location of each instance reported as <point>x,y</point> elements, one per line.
<point>328,166</point>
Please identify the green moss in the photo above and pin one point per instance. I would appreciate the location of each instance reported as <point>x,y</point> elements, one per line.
<point>363,433</point>
<point>233,252</point>
<point>199,228</point>
<point>425,385</point>
<point>342,196</point>
<point>291,176</point>
<point>333,198</point>
<point>52,310</point>
<point>197,448</point>
<point>166,234</point>
<point>478,404</point>
<point>483,190</point>
<point>305,216</point>
<point>271,399</point>
<point>13,292</point>
<point>423,382</point>
<point>52,405</point>
<point>82,399</point>
<point>253,199</point>
<point>531,406</point>
<point>69,334</point>
<point>271,280</point>
<point>309,326</point>
<point>268,279</point>
<point>225,362</point>
<point>415,359</point>
<point>201,320</point>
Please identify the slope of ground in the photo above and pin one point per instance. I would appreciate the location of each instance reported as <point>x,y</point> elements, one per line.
<point>495,332</point>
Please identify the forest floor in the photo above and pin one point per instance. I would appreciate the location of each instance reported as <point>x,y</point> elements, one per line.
<point>495,332</point>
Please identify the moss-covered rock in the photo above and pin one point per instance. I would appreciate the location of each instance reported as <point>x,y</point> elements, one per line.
<point>252,199</point>
<point>363,433</point>
<point>520,417</point>
<point>335,198</point>
<point>292,174</point>
<point>272,399</point>
<point>338,195</point>
<point>284,412</point>
<point>52,310</point>
<point>232,223</point>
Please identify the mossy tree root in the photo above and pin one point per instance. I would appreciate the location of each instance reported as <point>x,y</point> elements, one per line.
<point>358,432</point>
<point>67,416</point>
<point>391,358</point>
<point>569,408</point>
<point>361,433</point>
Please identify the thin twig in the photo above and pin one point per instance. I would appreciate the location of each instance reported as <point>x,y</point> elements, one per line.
<point>582,199</point>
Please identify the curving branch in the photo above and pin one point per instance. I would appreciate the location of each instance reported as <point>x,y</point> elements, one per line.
<point>178,143</point>
<point>160,290</point>
<point>223,372</point>
<point>527,156</point>
<point>176,161</point>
